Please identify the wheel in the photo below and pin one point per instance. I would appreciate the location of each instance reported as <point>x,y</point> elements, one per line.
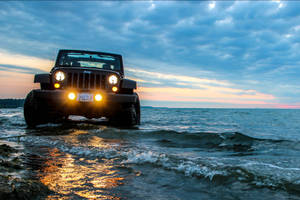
<point>31,113</point>
<point>35,112</point>
<point>138,111</point>
<point>129,116</point>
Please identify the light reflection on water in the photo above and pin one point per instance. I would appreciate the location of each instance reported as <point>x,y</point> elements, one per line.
<point>83,138</point>
<point>70,176</point>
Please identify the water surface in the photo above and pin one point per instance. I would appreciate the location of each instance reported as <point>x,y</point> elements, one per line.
<point>173,154</point>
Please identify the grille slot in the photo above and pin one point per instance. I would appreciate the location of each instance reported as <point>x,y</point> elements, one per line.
<point>98,82</point>
<point>86,80</point>
<point>92,81</point>
<point>81,80</point>
<point>103,79</point>
<point>80,84</point>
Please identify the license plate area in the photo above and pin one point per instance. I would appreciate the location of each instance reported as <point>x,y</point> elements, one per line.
<point>85,97</point>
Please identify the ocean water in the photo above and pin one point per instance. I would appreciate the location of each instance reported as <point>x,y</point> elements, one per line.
<point>173,154</point>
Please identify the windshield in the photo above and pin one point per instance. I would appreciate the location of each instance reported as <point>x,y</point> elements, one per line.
<point>74,59</point>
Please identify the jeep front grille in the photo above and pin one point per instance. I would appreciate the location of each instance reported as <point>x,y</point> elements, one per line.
<point>86,81</point>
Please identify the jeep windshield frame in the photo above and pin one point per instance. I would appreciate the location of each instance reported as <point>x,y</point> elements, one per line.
<point>90,59</point>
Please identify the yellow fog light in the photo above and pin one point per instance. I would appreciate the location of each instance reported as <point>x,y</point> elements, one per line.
<point>57,85</point>
<point>71,96</point>
<point>98,97</point>
<point>114,89</point>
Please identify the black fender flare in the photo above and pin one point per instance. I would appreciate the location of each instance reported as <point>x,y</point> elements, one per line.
<point>128,84</point>
<point>42,78</point>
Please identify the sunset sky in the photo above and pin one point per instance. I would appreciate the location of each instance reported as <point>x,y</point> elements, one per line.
<point>182,54</point>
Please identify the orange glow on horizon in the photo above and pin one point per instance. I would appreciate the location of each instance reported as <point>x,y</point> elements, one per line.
<point>286,106</point>
<point>16,85</point>
<point>202,95</point>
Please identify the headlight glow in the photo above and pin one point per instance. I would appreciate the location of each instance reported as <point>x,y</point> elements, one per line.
<point>113,79</point>
<point>98,97</point>
<point>71,95</point>
<point>57,85</point>
<point>59,76</point>
<point>114,89</point>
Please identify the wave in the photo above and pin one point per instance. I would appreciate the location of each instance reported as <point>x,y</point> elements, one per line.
<point>12,119</point>
<point>235,142</point>
<point>213,169</point>
<point>227,141</point>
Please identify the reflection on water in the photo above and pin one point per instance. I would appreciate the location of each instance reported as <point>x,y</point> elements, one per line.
<point>69,176</point>
<point>84,138</point>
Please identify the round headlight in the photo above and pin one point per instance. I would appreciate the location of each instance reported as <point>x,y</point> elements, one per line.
<point>59,76</point>
<point>113,79</point>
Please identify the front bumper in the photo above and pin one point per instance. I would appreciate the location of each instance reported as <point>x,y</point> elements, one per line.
<point>62,96</point>
<point>58,101</point>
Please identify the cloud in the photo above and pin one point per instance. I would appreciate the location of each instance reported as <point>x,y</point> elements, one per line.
<point>212,5</point>
<point>240,47</point>
<point>172,77</point>
<point>20,69</point>
<point>192,89</point>
<point>152,5</point>
<point>225,21</point>
<point>23,62</point>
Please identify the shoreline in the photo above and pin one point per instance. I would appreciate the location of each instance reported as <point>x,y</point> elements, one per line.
<point>14,184</point>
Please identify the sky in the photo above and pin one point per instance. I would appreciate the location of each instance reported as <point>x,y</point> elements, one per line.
<point>220,54</point>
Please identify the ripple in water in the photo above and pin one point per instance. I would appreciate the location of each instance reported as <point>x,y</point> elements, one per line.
<point>174,154</point>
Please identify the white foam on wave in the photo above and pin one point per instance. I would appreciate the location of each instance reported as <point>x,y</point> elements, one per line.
<point>11,133</point>
<point>8,112</point>
<point>272,175</point>
<point>191,169</point>
<point>83,119</point>
<point>144,157</point>
<point>12,119</point>
<point>186,166</point>
<point>48,125</point>
<point>253,163</point>
<point>77,118</point>
<point>260,174</point>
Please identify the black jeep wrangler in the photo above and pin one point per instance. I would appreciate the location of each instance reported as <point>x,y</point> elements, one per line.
<point>85,83</point>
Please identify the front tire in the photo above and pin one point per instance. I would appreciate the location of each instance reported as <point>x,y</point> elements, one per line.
<point>36,112</point>
<point>31,111</point>
<point>129,116</point>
